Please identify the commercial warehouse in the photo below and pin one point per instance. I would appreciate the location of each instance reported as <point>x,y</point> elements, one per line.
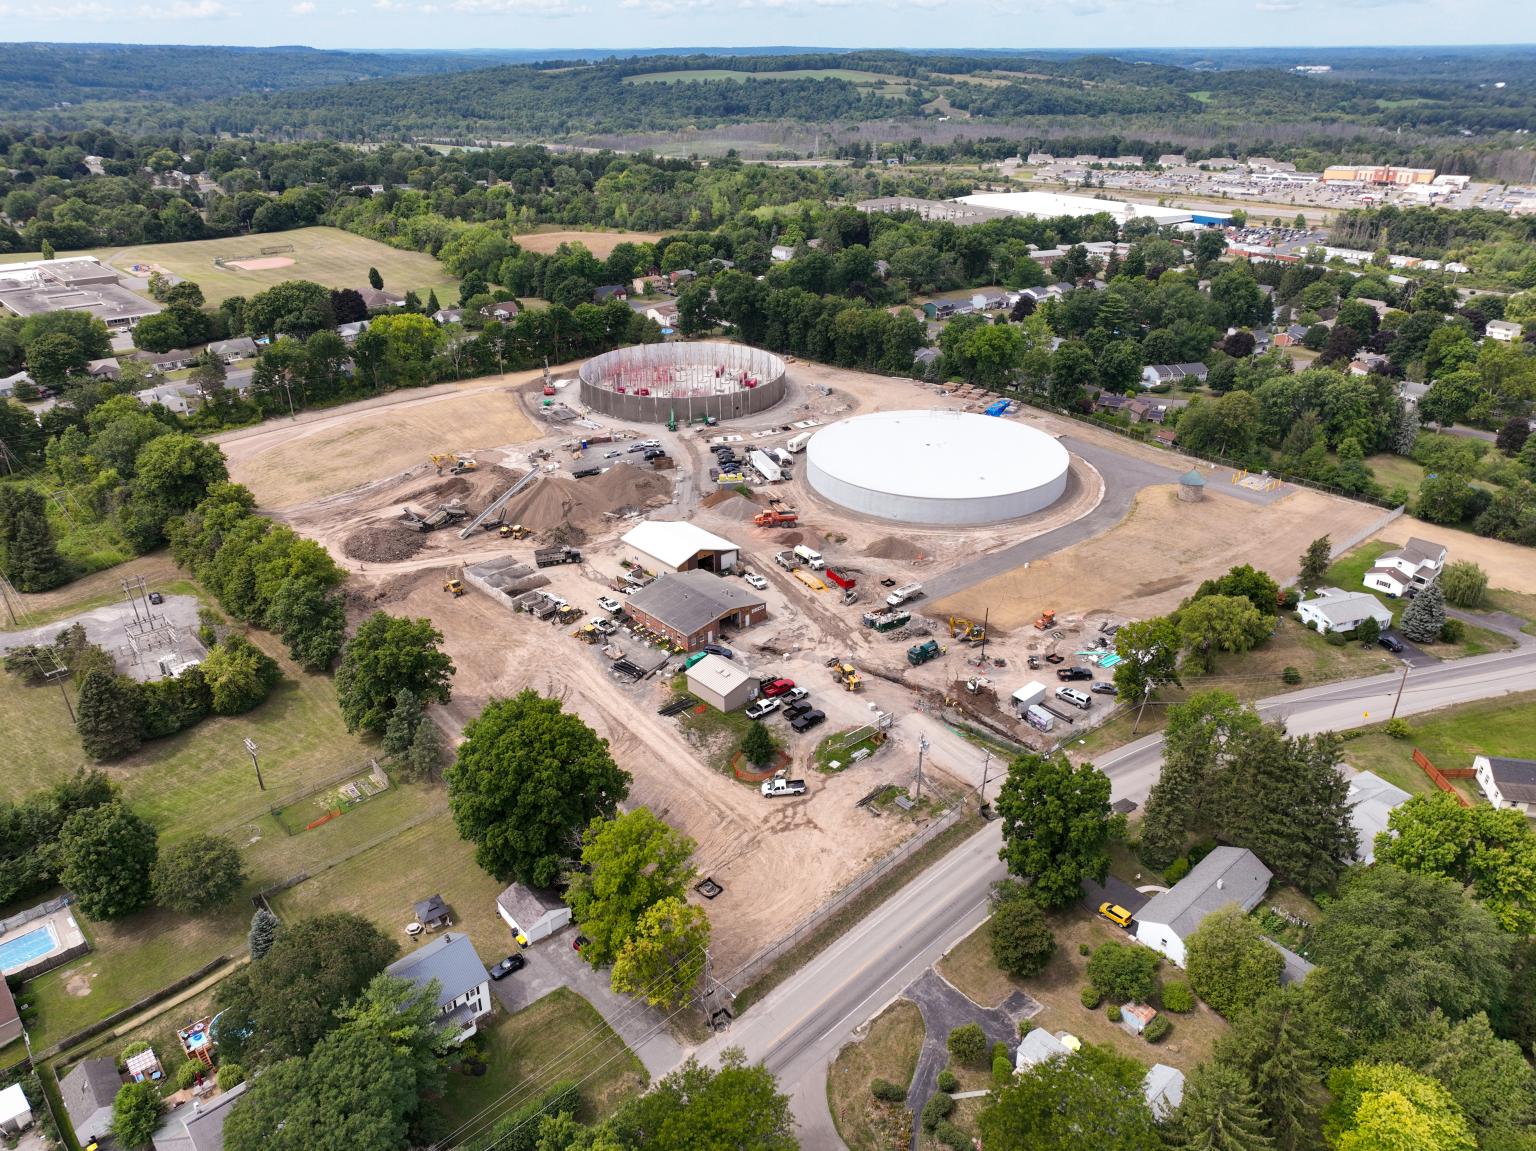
<point>1047,204</point>
<point>691,608</point>
<point>71,284</point>
<point>675,545</point>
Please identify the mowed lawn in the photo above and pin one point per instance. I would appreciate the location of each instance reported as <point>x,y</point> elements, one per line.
<point>560,1037</point>
<point>327,256</point>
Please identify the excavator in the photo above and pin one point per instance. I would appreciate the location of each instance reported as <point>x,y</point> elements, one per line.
<point>456,465</point>
<point>966,631</point>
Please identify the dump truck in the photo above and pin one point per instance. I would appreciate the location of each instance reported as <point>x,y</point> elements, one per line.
<point>902,594</point>
<point>921,653</point>
<point>887,620</point>
<point>1046,621</point>
<point>550,557</point>
<point>847,675</point>
<point>454,587</point>
<point>780,784</point>
<point>771,519</point>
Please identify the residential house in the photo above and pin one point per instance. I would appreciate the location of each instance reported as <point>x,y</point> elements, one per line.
<point>1505,331</point>
<point>1334,609</point>
<point>1163,1087</point>
<point>1371,800</point>
<point>10,1018</point>
<point>378,300</point>
<point>182,399</point>
<point>1414,565</point>
<point>106,368</point>
<point>350,332</point>
<point>1365,363</point>
<point>8,384</point>
<point>644,285</point>
<point>1110,403</point>
<point>530,913</point>
<point>15,1111</point>
<point>502,310</point>
<point>198,1124</point>
<point>464,986</point>
<point>1154,375</point>
<point>1227,875</point>
<point>1039,1046</point>
<point>989,301</point>
<point>605,292</point>
<point>681,277</point>
<point>926,357</point>
<point>664,313</point>
<point>1507,782</point>
<point>448,316</point>
<point>241,348</point>
<point>1168,437</point>
<point>432,913</point>
<point>88,1092</point>
<point>171,361</point>
<point>1145,412</point>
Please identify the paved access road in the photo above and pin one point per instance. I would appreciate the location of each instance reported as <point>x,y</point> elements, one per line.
<point>800,1026</point>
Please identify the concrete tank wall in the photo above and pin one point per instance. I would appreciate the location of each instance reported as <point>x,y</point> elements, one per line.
<point>727,402</point>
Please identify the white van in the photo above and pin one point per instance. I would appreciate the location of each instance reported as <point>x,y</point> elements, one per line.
<point>811,556</point>
<point>1074,697</point>
<point>902,594</point>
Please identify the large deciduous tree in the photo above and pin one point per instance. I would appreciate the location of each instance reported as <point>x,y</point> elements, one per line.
<point>1091,1098</point>
<point>136,1114</point>
<point>293,308</point>
<point>106,854</point>
<point>1216,623</point>
<point>1464,584</point>
<point>698,1107</point>
<point>528,778</point>
<point>1056,826</point>
<point>282,1006</point>
<point>390,654</point>
<point>1229,964</point>
<point>198,873</point>
<point>1022,943</point>
<point>1387,1107</point>
<point>662,958</point>
<point>630,863</point>
<point>1149,657</point>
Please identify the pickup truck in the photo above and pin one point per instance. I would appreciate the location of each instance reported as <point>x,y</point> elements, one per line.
<point>776,786</point>
<point>1068,674</point>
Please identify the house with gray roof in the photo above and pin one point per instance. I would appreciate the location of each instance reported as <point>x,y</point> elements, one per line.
<point>464,986</point>
<point>1371,800</point>
<point>240,348</point>
<point>530,913</point>
<point>1507,782</point>
<point>1226,876</point>
<point>1163,1087</point>
<point>88,1092</point>
<point>198,1124</point>
<point>10,1018</point>
<point>1334,609</point>
<point>693,607</point>
<point>1037,1047</point>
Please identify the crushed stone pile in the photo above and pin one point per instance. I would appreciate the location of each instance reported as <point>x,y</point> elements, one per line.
<point>556,500</point>
<point>895,548</point>
<point>383,543</point>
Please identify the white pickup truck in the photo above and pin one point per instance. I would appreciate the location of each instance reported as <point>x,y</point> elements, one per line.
<point>778,785</point>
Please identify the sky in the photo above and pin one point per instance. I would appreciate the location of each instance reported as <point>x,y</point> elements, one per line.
<point>567,24</point>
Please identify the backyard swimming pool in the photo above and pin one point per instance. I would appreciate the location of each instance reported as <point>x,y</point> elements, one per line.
<point>20,950</point>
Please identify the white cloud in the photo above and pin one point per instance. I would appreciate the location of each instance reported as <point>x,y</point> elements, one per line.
<point>182,10</point>
<point>1277,5</point>
<point>532,7</point>
<point>87,10</point>
<point>303,8</point>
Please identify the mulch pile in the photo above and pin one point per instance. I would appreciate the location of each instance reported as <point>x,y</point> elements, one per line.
<point>383,543</point>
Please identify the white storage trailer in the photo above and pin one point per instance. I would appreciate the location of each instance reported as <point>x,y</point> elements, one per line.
<point>765,466</point>
<point>797,443</point>
<point>1028,695</point>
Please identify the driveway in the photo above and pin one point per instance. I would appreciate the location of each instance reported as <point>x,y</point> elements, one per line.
<point>1114,890</point>
<point>553,963</point>
<point>944,1008</point>
<point>1412,654</point>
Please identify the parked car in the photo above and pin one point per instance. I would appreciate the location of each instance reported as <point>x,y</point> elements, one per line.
<point>1104,687</point>
<point>778,687</point>
<point>717,649</point>
<point>653,454</point>
<point>1115,914</point>
<point>613,455</point>
<point>156,597</point>
<point>1074,697</point>
<point>796,710</point>
<point>810,719</point>
<point>1068,674</point>
<point>755,580</point>
<point>761,707</point>
<point>507,966</point>
<point>1392,644</point>
<point>608,603</point>
<point>795,694</point>
<point>636,448</point>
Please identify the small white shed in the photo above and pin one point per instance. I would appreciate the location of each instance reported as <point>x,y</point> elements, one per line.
<point>1028,695</point>
<point>15,1111</point>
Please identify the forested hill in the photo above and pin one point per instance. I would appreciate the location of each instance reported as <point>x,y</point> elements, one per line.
<point>42,75</point>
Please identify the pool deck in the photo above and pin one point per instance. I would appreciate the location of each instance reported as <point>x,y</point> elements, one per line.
<point>65,929</point>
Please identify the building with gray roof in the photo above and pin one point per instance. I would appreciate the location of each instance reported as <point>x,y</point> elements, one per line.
<point>1371,800</point>
<point>464,986</point>
<point>1507,782</point>
<point>71,284</point>
<point>1228,875</point>
<point>692,608</point>
<point>197,1125</point>
<point>88,1092</point>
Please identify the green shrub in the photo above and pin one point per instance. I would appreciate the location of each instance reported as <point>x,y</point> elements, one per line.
<point>1002,1070</point>
<point>1290,675</point>
<point>231,1075</point>
<point>1112,1013</point>
<point>1025,1027</point>
<point>952,1137</point>
<point>968,1044</point>
<point>136,1048</point>
<point>1091,998</point>
<point>1157,1030</point>
<point>948,1082</point>
<point>1335,639</point>
<point>1084,949</point>
<point>1200,850</point>
<point>187,1073</point>
<point>1022,943</point>
<point>1452,631</point>
<point>1176,870</point>
<point>1123,971</point>
<point>940,1107</point>
<point>1176,996</point>
<point>1398,728</point>
<point>888,1092</point>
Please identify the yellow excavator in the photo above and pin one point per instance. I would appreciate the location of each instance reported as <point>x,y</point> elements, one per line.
<point>456,465</point>
<point>966,631</point>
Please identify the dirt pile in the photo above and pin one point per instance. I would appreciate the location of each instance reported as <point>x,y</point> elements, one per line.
<point>553,501</point>
<point>895,548</point>
<point>735,506</point>
<point>723,495</point>
<point>383,543</point>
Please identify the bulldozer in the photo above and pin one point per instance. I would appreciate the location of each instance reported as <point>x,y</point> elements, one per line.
<point>1046,621</point>
<point>846,674</point>
<point>966,631</point>
<point>454,587</point>
<point>512,532</point>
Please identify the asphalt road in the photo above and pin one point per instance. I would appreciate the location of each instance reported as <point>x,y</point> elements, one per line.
<point>799,1027</point>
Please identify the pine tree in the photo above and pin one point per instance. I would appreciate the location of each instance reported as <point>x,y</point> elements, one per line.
<point>424,758</point>
<point>108,716</point>
<point>1425,616</point>
<point>31,557</point>
<point>375,281</point>
<point>432,304</point>
<point>263,934</point>
<point>400,728</point>
<point>1269,1047</point>
<point>1220,1112</point>
<point>757,745</point>
<point>1314,564</point>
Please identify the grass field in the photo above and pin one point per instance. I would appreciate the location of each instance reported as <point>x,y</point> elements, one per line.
<point>969,966</point>
<point>559,1037</point>
<point>327,256</point>
<point>1394,470</point>
<point>600,244</point>
<point>889,1051</point>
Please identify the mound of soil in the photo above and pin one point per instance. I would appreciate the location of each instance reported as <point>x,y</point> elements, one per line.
<point>553,501</point>
<point>735,506</point>
<point>895,548</point>
<point>441,491</point>
<point>383,543</point>
<point>723,495</point>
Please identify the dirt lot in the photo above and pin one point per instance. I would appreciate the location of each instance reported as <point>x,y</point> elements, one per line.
<point>1159,553</point>
<point>322,453</point>
<point>600,244</point>
<point>1508,565</point>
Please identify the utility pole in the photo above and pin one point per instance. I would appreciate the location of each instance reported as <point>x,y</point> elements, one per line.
<point>922,746</point>
<point>1402,683</point>
<point>986,767</point>
<point>1146,695</point>
<point>250,746</point>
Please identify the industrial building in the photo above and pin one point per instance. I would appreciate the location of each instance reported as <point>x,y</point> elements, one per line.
<point>71,284</point>
<point>1376,174</point>
<point>951,211</point>
<point>692,608</point>
<point>937,467</point>
<point>676,545</point>
<point>1047,204</point>
<point>724,685</point>
<point>682,383</point>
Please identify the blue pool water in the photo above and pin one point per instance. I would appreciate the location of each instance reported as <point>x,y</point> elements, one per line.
<point>23,949</point>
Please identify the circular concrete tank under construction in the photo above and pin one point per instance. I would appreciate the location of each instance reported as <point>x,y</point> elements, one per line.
<point>937,468</point>
<point>657,383</point>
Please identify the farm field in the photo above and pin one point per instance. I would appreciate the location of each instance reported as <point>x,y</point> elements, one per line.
<point>327,256</point>
<point>600,244</point>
